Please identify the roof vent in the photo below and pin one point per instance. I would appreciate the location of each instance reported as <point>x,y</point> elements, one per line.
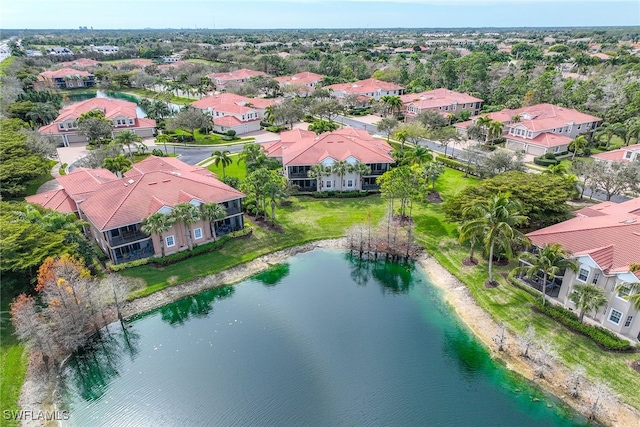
<point>629,221</point>
<point>166,180</point>
<point>153,183</point>
<point>130,181</point>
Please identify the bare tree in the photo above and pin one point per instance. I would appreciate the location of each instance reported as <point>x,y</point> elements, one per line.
<point>526,341</point>
<point>116,289</point>
<point>575,380</point>
<point>597,397</point>
<point>500,338</point>
<point>544,357</point>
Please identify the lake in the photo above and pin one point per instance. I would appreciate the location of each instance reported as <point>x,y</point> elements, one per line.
<point>325,339</point>
<point>83,96</point>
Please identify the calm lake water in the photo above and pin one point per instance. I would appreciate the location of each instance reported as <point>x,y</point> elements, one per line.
<point>77,97</point>
<point>323,340</point>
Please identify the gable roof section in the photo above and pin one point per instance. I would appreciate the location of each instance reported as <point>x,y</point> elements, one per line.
<point>63,73</point>
<point>437,98</point>
<point>58,200</point>
<point>303,78</point>
<point>608,232</point>
<point>545,139</point>
<point>83,181</point>
<point>241,74</point>
<point>110,107</point>
<point>364,86</point>
<point>542,116</point>
<point>306,149</point>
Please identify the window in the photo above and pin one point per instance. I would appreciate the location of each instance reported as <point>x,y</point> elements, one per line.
<point>624,291</point>
<point>328,184</point>
<point>615,316</point>
<point>583,274</point>
<point>197,233</point>
<point>350,183</point>
<point>627,322</point>
<point>170,241</point>
<point>579,127</point>
<point>627,155</point>
<point>595,279</point>
<point>61,126</point>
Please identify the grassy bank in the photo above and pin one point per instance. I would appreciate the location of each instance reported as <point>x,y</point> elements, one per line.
<point>147,93</point>
<point>234,169</point>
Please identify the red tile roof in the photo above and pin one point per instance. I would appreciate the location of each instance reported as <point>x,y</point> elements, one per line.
<point>83,181</point>
<point>542,116</point>
<point>300,148</point>
<point>364,86</point>
<point>80,62</point>
<point>232,103</point>
<point>58,200</point>
<point>110,107</point>
<point>608,232</point>
<point>545,139</point>
<point>141,63</point>
<point>437,98</point>
<point>241,74</point>
<point>617,155</point>
<point>63,73</point>
<point>304,78</point>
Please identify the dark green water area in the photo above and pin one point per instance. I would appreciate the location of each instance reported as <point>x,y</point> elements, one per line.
<point>322,340</point>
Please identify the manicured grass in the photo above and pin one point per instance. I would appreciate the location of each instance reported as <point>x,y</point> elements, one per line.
<point>33,185</point>
<point>310,219</point>
<point>147,93</point>
<point>6,64</point>
<point>234,169</point>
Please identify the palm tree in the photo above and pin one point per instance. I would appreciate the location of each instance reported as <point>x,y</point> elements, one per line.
<point>517,118</point>
<point>484,123</point>
<point>341,168</point>
<point>221,157</point>
<point>495,129</point>
<point>270,114</point>
<point>551,260</point>
<point>157,224</point>
<point>401,135</point>
<point>419,155</point>
<point>471,235</point>
<point>187,214</point>
<point>578,144</point>
<point>117,165</point>
<point>632,291</point>
<point>127,137</point>
<point>362,169</point>
<point>588,298</point>
<point>495,219</point>
<point>559,170</point>
<point>250,154</point>
<point>393,104</point>
<point>212,212</point>
<point>317,172</point>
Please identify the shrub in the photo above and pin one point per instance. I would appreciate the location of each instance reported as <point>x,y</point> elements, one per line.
<point>545,162</point>
<point>123,265</point>
<point>157,152</point>
<point>276,129</point>
<point>455,164</point>
<point>604,338</point>
<point>550,156</point>
<point>587,152</point>
<point>231,133</point>
<point>63,171</point>
<point>308,118</point>
<point>340,194</point>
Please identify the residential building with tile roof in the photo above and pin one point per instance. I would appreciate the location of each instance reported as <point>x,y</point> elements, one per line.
<point>123,114</point>
<point>604,240</point>
<point>221,80</point>
<point>234,112</point>
<point>298,150</point>
<point>442,100</point>
<point>539,129</point>
<point>626,154</point>
<point>65,78</point>
<point>115,207</point>
<point>301,83</point>
<point>81,62</point>
<point>371,88</point>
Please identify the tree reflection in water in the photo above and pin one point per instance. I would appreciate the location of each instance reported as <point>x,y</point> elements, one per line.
<point>199,305</point>
<point>93,368</point>
<point>470,357</point>
<point>273,275</point>
<point>393,277</point>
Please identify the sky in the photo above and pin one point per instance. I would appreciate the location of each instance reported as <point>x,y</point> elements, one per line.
<point>265,14</point>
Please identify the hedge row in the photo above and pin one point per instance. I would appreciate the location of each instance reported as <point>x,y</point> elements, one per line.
<point>179,256</point>
<point>545,162</point>
<point>606,339</point>
<point>340,194</point>
<point>454,164</point>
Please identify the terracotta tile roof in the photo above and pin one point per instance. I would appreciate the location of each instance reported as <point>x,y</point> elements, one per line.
<point>617,155</point>
<point>241,74</point>
<point>304,78</point>
<point>608,232</point>
<point>80,62</point>
<point>364,86</point>
<point>545,139</point>
<point>63,73</point>
<point>83,181</point>
<point>231,103</point>
<point>229,121</point>
<point>110,107</point>
<point>274,148</point>
<point>542,116</point>
<point>58,200</point>
<point>309,149</point>
<point>437,98</point>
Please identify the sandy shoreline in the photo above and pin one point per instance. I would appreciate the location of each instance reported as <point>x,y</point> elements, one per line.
<point>39,391</point>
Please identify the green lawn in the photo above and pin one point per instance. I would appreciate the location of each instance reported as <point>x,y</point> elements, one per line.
<point>234,169</point>
<point>33,185</point>
<point>147,93</point>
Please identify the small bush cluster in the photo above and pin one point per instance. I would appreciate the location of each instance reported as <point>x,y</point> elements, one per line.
<point>63,169</point>
<point>359,111</point>
<point>129,264</point>
<point>157,152</point>
<point>606,339</point>
<point>545,162</point>
<point>276,129</point>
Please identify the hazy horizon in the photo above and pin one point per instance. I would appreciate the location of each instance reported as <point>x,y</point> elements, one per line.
<point>318,14</point>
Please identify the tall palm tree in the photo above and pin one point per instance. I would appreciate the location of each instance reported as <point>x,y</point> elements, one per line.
<point>495,129</point>
<point>318,172</point>
<point>393,104</point>
<point>471,235</point>
<point>484,123</point>
<point>401,135</point>
<point>341,168</point>
<point>495,219</point>
<point>117,165</point>
<point>221,158</point>
<point>127,137</point>
<point>187,214</point>
<point>362,169</point>
<point>560,170</point>
<point>578,144</point>
<point>551,260</point>
<point>157,224</point>
<point>250,154</point>
<point>212,212</point>
<point>588,298</point>
<point>633,293</point>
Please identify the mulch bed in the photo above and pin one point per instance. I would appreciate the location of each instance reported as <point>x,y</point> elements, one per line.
<point>434,197</point>
<point>267,225</point>
<point>468,263</point>
<point>635,366</point>
<point>488,284</point>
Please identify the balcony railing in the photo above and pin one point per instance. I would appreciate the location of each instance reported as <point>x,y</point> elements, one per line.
<point>127,237</point>
<point>144,252</point>
<point>233,210</point>
<point>226,229</point>
<point>370,187</point>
